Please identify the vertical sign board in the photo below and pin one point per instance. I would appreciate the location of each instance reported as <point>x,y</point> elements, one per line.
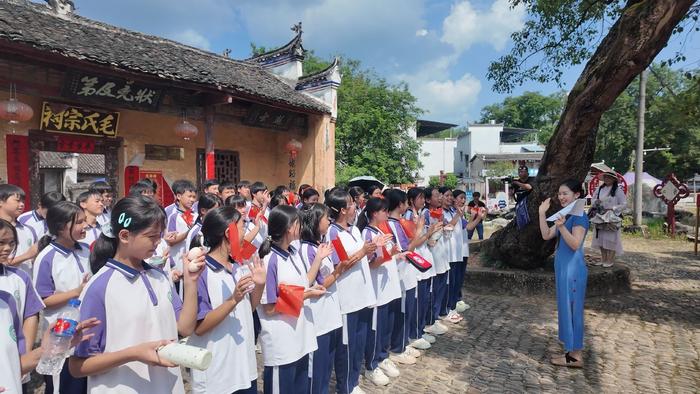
<point>18,163</point>
<point>157,177</point>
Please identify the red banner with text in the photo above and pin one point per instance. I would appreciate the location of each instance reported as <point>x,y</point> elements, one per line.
<point>18,163</point>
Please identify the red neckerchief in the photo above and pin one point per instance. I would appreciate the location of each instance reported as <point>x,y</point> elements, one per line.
<point>436,213</point>
<point>187,217</point>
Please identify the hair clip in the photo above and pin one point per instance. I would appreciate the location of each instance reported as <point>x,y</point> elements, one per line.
<point>335,209</point>
<point>124,220</point>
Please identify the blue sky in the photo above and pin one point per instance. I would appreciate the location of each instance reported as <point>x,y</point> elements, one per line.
<point>442,49</point>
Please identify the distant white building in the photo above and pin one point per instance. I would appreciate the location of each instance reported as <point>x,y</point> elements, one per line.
<point>437,154</point>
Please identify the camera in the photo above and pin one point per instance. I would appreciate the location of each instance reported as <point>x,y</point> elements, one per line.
<point>507,179</point>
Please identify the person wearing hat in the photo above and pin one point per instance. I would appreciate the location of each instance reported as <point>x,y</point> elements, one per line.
<point>523,185</point>
<point>608,197</point>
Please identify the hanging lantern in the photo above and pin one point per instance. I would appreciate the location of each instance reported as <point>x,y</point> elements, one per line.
<point>185,129</point>
<point>293,147</point>
<point>14,110</point>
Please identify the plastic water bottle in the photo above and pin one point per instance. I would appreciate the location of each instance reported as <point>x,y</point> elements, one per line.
<point>58,345</point>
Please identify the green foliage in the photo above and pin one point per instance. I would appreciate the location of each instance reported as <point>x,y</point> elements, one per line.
<point>672,120</point>
<point>562,33</point>
<point>531,110</point>
<point>501,168</point>
<point>374,117</point>
<point>450,181</point>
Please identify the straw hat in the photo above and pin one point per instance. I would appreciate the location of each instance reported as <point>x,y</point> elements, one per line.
<point>611,174</point>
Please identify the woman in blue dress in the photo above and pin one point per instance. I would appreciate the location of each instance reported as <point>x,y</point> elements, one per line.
<point>570,272</point>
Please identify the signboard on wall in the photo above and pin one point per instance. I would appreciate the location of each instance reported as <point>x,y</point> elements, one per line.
<point>64,118</point>
<point>268,117</point>
<point>112,91</point>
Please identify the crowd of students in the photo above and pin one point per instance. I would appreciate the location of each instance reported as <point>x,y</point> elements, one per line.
<point>363,304</point>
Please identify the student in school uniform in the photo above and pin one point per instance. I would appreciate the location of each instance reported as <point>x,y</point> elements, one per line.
<point>308,197</point>
<point>455,301</point>
<point>387,287</point>
<point>179,223</point>
<point>143,188</point>
<point>61,269</point>
<point>416,205</point>
<point>107,193</point>
<point>206,202</point>
<point>440,250</point>
<point>328,320</point>
<point>286,340</point>
<point>228,293</point>
<point>11,207</point>
<point>180,184</point>
<point>15,359</point>
<point>408,313</point>
<point>211,186</point>
<point>19,285</point>
<point>453,238</point>
<point>226,190</point>
<point>355,289</point>
<point>36,219</point>
<point>122,356</point>
<point>243,190</point>
<point>358,197</point>
<point>91,203</point>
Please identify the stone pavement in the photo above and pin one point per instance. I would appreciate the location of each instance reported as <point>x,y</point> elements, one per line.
<point>644,341</point>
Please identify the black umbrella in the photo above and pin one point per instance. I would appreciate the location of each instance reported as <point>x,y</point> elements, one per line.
<point>365,182</point>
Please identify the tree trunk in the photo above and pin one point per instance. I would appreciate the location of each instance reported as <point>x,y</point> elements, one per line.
<point>643,29</point>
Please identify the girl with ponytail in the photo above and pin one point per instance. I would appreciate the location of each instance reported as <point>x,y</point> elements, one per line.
<point>287,337</point>
<point>61,270</point>
<point>228,293</point>
<point>356,295</point>
<point>137,304</point>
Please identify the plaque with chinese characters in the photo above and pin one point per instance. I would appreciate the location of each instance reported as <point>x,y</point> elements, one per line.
<point>267,117</point>
<point>78,120</point>
<point>113,91</point>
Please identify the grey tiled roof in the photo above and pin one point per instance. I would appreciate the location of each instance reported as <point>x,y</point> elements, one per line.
<point>37,26</point>
<point>87,163</point>
<point>52,160</point>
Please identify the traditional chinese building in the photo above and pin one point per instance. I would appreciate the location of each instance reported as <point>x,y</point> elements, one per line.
<point>101,89</point>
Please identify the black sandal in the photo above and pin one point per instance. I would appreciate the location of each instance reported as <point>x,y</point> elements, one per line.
<point>567,361</point>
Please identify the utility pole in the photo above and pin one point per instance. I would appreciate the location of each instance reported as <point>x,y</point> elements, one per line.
<point>639,165</point>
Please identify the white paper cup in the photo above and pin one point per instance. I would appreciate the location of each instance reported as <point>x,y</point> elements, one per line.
<point>246,271</point>
<point>186,355</point>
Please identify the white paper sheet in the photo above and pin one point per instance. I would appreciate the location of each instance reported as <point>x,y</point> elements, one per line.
<point>576,208</point>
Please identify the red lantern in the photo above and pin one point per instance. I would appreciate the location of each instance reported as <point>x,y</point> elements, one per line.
<point>293,147</point>
<point>186,130</point>
<point>14,110</point>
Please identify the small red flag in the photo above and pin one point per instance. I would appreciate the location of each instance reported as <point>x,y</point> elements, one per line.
<point>409,227</point>
<point>247,251</point>
<point>339,249</point>
<point>290,299</point>
<point>234,242</point>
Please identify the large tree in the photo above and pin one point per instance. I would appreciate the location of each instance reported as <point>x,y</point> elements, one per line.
<point>558,34</point>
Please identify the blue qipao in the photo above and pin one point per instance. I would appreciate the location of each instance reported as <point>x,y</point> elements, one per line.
<point>571,275</point>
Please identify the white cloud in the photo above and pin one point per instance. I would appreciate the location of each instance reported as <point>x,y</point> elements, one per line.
<point>466,26</point>
<point>192,38</point>
<point>421,33</point>
<point>443,98</point>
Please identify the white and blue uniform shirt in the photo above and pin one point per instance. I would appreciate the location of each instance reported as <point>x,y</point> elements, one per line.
<point>134,307</point>
<point>407,272</point>
<point>285,339</point>
<point>57,269</point>
<point>194,233</point>
<point>178,224</point>
<point>441,250</point>
<point>105,217</point>
<point>12,344</point>
<point>355,289</point>
<point>325,309</point>
<point>35,221</point>
<point>19,285</point>
<point>92,233</point>
<point>423,249</point>
<point>26,237</point>
<point>259,238</point>
<point>455,240</point>
<point>385,278</point>
<point>465,238</point>
<point>232,342</point>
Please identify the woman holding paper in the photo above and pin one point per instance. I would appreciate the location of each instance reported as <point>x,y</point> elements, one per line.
<point>609,197</point>
<point>570,272</point>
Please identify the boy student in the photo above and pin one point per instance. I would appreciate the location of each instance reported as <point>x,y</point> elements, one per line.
<point>107,193</point>
<point>36,219</point>
<point>177,185</point>
<point>209,186</point>
<point>180,221</point>
<point>91,203</point>
<point>142,188</point>
<point>11,206</point>
<point>226,190</point>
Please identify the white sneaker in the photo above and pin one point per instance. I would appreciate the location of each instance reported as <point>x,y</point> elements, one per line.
<point>462,306</point>
<point>413,352</point>
<point>420,343</point>
<point>377,377</point>
<point>389,368</point>
<point>441,326</point>
<point>429,338</point>
<point>357,390</point>
<point>436,329</point>
<point>453,317</point>
<point>403,358</point>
